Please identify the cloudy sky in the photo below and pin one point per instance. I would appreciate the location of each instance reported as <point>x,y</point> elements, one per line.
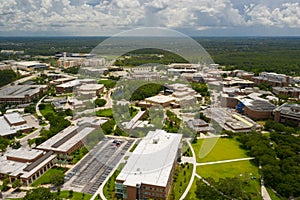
<point>109,17</point>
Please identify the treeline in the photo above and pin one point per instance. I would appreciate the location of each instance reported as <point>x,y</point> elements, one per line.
<point>276,54</point>
<point>279,158</point>
<point>144,56</point>
<point>7,76</point>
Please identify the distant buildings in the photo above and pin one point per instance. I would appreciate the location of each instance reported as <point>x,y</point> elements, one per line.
<point>288,113</point>
<point>90,90</point>
<point>18,94</point>
<point>287,91</point>
<point>149,170</point>
<point>273,79</point>
<point>30,65</point>
<point>68,87</point>
<point>11,123</point>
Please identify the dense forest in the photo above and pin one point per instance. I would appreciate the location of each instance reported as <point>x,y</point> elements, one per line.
<point>7,76</point>
<point>277,54</point>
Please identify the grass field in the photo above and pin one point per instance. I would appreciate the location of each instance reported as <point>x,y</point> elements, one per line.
<point>181,179</point>
<point>242,169</point>
<point>224,149</point>
<point>191,195</point>
<point>104,113</point>
<point>272,194</point>
<point>48,109</point>
<point>45,178</point>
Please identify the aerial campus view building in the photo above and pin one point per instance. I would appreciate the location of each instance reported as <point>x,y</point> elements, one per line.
<point>148,172</point>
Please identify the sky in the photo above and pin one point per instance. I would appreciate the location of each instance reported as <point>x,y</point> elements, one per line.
<point>110,17</point>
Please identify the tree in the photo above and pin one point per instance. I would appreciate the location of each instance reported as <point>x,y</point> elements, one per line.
<point>100,102</point>
<point>30,109</point>
<point>41,194</point>
<point>17,183</point>
<point>57,178</point>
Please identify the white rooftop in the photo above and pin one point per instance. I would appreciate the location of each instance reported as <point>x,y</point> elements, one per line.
<point>88,87</point>
<point>14,118</point>
<point>160,99</point>
<point>28,154</point>
<point>66,143</point>
<point>151,163</point>
<point>6,129</point>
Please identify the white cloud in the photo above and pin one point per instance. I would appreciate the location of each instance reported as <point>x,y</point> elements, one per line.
<point>110,16</point>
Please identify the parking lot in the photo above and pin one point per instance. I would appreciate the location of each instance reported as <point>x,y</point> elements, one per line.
<point>87,175</point>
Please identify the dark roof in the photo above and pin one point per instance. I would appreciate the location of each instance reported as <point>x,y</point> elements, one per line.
<point>38,161</point>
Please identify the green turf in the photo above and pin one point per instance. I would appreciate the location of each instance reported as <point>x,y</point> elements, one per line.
<point>45,178</point>
<point>181,179</point>
<point>104,113</point>
<point>217,149</point>
<point>242,169</point>
<point>191,194</point>
<point>48,109</point>
<point>272,194</point>
<point>65,194</point>
<point>109,187</point>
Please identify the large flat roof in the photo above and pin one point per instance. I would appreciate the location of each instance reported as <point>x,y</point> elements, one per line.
<point>23,153</point>
<point>160,99</point>
<point>14,118</point>
<point>19,91</point>
<point>6,129</point>
<point>66,139</point>
<point>289,109</point>
<point>151,163</point>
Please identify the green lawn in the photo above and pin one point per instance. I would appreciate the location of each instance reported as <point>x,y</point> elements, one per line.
<point>104,113</point>
<point>109,188</point>
<point>242,169</point>
<point>191,195</point>
<point>181,179</point>
<point>65,194</point>
<point>45,178</point>
<point>272,194</point>
<point>48,109</point>
<point>217,149</point>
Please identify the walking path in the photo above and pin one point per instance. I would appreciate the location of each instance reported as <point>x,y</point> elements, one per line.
<point>224,161</point>
<point>193,174</point>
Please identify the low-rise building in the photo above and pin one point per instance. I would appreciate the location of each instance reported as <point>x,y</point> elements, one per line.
<point>90,90</point>
<point>11,123</point>
<point>19,94</point>
<point>288,113</point>
<point>26,164</point>
<point>255,109</point>
<point>287,91</point>
<point>31,65</point>
<point>273,79</point>
<point>162,100</point>
<point>68,87</point>
<point>68,140</point>
<point>149,170</point>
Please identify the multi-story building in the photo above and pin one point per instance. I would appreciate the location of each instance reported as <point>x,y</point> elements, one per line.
<point>18,94</point>
<point>149,170</point>
<point>288,113</point>
<point>287,91</point>
<point>273,79</point>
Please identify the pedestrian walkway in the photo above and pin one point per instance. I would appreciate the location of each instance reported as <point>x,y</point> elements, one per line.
<point>224,161</point>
